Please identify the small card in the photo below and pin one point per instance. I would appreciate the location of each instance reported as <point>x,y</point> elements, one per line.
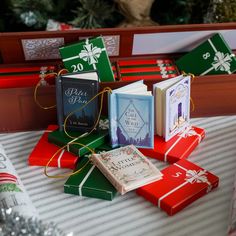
<point>126,168</point>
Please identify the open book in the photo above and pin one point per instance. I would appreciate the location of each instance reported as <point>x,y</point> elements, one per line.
<point>73,91</point>
<point>131,116</point>
<point>172,104</point>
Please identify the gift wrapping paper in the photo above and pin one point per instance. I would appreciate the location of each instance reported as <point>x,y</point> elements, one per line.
<point>146,69</point>
<point>88,54</point>
<point>12,192</point>
<point>177,148</point>
<point>93,140</point>
<point>213,57</point>
<point>182,183</point>
<point>89,182</point>
<point>43,152</point>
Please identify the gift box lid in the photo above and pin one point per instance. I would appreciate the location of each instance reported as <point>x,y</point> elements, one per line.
<point>177,148</point>
<point>44,150</point>
<point>182,183</point>
<point>93,140</point>
<point>214,56</point>
<point>89,182</point>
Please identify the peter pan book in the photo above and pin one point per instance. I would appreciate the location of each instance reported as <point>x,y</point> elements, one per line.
<point>126,168</point>
<point>131,116</point>
<point>172,106</point>
<point>73,92</point>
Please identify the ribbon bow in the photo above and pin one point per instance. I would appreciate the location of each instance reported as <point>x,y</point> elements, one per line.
<point>193,176</point>
<point>222,61</point>
<point>188,132</point>
<point>104,124</point>
<point>90,53</point>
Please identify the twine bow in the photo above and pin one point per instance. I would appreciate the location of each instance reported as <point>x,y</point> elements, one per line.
<point>90,53</point>
<point>222,61</point>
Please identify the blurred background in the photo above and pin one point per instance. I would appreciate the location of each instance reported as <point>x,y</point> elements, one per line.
<point>29,15</point>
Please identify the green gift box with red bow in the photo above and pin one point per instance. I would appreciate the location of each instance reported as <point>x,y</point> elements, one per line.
<point>212,57</point>
<point>88,54</point>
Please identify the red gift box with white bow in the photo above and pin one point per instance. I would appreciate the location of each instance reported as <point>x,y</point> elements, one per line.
<point>177,148</point>
<point>182,183</point>
<point>44,150</point>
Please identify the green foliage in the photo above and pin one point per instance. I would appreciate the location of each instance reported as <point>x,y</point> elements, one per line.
<point>93,14</point>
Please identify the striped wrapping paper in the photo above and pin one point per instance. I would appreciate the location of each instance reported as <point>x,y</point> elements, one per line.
<point>130,214</point>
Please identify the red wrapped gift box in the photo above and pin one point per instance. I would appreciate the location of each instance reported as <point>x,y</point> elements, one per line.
<point>131,70</point>
<point>44,150</point>
<point>177,148</point>
<point>182,183</point>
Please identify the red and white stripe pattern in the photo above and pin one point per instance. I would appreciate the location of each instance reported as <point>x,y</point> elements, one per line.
<point>6,178</point>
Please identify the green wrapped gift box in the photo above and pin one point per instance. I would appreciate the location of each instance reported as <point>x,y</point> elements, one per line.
<point>212,57</point>
<point>93,141</point>
<point>89,182</point>
<point>88,54</point>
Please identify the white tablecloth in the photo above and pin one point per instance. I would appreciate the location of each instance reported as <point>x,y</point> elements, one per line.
<point>131,214</point>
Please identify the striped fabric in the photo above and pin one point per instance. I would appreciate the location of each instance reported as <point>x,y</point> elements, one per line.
<point>130,214</point>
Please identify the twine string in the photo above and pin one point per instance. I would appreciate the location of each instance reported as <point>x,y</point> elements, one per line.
<point>68,173</point>
<point>105,90</point>
<point>43,77</point>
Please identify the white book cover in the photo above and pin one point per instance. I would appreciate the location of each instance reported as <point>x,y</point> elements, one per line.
<point>126,168</point>
<point>177,105</point>
<point>172,106</point>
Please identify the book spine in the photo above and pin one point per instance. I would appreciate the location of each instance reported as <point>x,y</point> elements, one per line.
<point>59,103</point>
<point>112,114</point>
<point>107,174</point>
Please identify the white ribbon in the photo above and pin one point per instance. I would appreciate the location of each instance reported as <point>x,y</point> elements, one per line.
<point>189,131</point>
<point>221,61</point>
<point>89,54</point>
<point>192,176</point>
<point>73,140</point>
<point>84,180</point>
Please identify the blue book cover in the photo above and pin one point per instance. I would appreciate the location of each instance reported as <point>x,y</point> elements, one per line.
<point>73,92</point>
<point>131,116</point>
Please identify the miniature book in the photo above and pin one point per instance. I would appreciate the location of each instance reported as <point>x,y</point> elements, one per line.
<point>126,168</point>
<point>172,106</point>
<point>88,54</point>
<point>131,116</point>
<point>73,91</point>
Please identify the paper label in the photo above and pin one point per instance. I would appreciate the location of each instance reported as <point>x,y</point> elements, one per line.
<point>42,49</point>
